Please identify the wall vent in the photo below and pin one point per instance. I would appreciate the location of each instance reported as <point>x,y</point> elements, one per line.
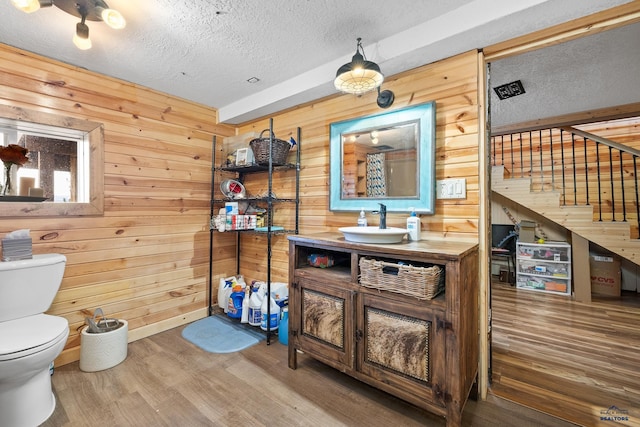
<point>509,90</point>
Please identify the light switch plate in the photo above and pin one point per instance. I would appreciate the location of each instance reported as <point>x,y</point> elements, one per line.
<point>453,188</point>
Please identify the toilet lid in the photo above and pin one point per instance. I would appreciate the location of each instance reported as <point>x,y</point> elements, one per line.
<point>30,332</point>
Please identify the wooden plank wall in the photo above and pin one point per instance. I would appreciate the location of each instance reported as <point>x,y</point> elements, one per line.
<point>452,83</point>
<point>146,259</point>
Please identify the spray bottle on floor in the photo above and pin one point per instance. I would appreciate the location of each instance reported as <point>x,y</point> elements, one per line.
<point>245,305</point>
<point>274,313</point>
<point>255,303</point>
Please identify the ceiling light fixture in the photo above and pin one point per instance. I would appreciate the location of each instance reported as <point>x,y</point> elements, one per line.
<point>92,10</point>
<point>358,76</point>
<point>361,76</point>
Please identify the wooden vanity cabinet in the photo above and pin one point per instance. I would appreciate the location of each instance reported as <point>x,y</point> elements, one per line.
<point>422,351</point>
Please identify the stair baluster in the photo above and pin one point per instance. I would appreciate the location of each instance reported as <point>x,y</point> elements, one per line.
<point>611,207</point>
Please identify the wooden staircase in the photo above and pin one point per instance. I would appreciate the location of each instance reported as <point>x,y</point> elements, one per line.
<point>614,236</point>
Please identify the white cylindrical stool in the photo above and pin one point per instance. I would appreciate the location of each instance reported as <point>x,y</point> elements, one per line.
<point>99,351</point>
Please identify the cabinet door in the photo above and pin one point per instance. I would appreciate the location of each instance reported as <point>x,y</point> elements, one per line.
<point>401,345</point>
<point>324,327</point>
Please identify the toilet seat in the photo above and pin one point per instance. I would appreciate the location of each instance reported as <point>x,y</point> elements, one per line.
<point>29,335</point>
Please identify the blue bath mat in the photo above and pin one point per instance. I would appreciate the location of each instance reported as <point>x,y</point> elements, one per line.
<point>218,334</point>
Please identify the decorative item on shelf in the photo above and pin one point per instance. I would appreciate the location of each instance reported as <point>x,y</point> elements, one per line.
<point>36,192</point>
<point>26,184</point>
<point>361,76</point>
<point>244,156</point>
<point>232,189</point>
<point>9,183</point>
<point>11,155</point>
<point>279,151</point>
<point>239,157</point>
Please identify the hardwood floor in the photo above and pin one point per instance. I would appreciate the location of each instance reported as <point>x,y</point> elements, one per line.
<point>569,359</point>
<point>564,358</point>
<point>167,381</point>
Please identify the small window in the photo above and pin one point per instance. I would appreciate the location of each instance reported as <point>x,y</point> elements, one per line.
<point>65,164</point>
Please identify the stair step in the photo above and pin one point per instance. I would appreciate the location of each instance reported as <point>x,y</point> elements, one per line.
<point>614,236</point>
<point>567,213</point>
<point>605,229</point>
<point>524,184</point>
<point>548,199</point>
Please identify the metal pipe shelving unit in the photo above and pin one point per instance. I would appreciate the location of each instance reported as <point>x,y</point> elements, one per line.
<point>269,200</point>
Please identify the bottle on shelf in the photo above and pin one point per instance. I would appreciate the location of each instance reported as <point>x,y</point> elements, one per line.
<point>362,220</point>
<point>413,225</point>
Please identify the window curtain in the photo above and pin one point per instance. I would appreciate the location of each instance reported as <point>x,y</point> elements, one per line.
<point>376,180</point>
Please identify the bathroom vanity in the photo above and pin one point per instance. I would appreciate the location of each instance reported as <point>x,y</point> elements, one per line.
<point>422,350</point>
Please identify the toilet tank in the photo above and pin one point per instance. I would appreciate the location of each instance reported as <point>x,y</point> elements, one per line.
<point>28,286</point>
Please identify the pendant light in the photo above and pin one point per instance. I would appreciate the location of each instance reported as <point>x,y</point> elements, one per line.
<point>28,6</point>
<point>358,76</point>
<point>361,76</point>
<point>92,10</point>
<point>81,38</point>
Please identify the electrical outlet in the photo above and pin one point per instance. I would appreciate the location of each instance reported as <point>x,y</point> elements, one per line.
<point>453,188</point>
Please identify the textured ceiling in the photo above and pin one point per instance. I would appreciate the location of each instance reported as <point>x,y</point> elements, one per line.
<point>587,74</point>
<point>206,50</point>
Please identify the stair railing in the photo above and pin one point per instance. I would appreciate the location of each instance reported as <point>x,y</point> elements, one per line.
<point>583,167</point>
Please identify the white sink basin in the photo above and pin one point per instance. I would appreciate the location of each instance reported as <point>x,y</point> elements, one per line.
<point>373,234</point>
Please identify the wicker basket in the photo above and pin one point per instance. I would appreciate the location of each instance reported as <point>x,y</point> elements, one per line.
<point>419,282</point>
<point>260,147</point>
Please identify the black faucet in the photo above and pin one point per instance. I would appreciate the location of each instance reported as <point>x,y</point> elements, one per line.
<point>383,216</point>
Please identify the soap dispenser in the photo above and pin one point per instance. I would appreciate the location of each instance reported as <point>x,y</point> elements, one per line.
<point>413,225</point>
<point>362,220</point>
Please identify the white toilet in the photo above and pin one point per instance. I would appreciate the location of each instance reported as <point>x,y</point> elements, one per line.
<point>29,339</point>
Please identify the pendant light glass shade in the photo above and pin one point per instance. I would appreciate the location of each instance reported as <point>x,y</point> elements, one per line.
<point>26,6</point>
<point>113,18</point>
<point>82,44</point>
<point>358,76</point>
<point>81,38</point>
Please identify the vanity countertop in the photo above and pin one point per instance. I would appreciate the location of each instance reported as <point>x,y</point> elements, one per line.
<point>441,249</point>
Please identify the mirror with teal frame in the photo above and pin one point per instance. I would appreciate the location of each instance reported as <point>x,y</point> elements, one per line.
<point>385,158</point>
